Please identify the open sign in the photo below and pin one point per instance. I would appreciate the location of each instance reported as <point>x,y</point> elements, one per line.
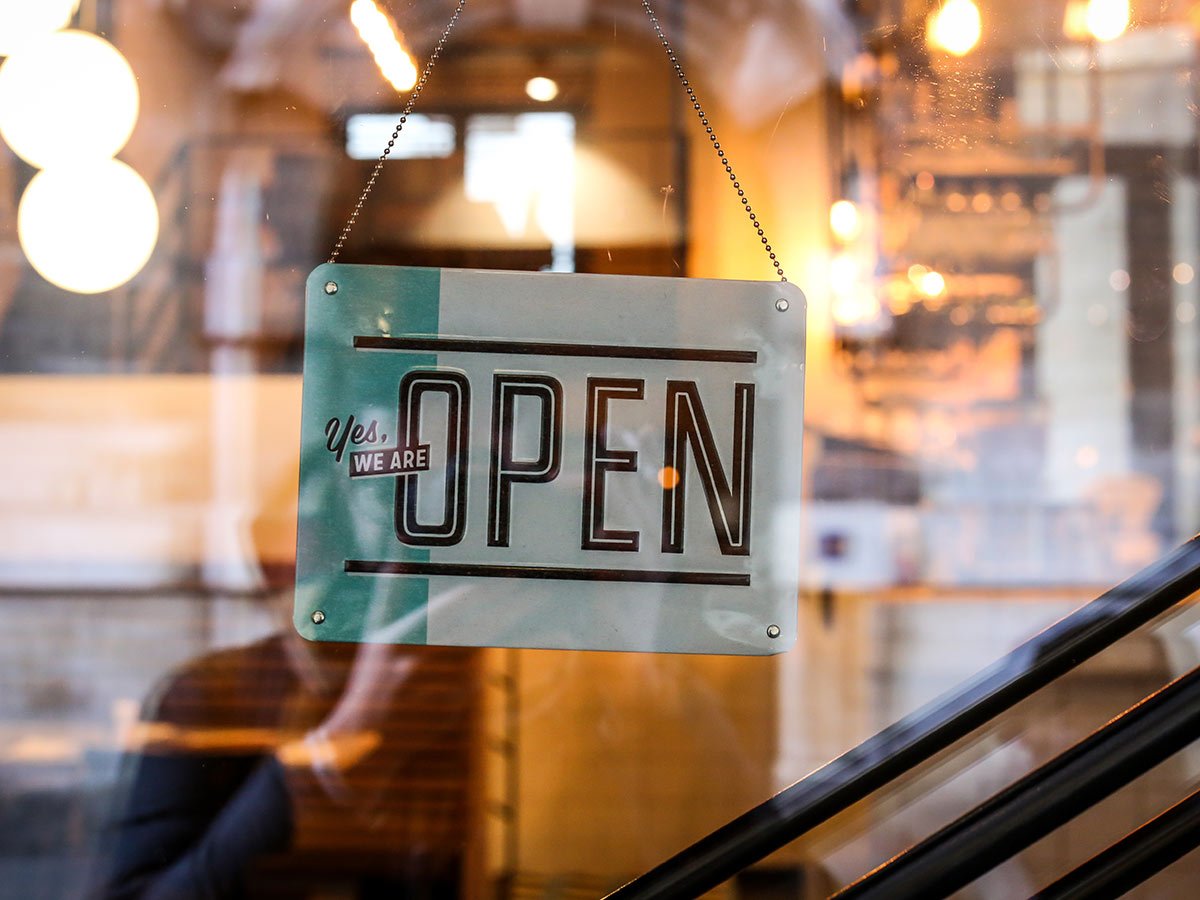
<point>619,470</point>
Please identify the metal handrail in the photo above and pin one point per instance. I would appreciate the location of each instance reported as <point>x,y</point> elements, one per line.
<point>917,737</point>
<point>1050,796</point>
<point>1134,858</point>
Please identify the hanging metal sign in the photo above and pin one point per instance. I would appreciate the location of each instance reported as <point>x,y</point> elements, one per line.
<point>540,460</point>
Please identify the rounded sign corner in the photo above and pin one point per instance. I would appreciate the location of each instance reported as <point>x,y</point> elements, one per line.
<point>321,273</point>
<point>795,296</point>
<point>781,644</point>
<point>304,627</point>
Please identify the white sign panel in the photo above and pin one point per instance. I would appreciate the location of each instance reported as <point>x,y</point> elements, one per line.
<point>546,460</point>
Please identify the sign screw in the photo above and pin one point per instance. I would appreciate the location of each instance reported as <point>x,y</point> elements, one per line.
<point>781,304</point>
<point>772,630</point>
<point>318,617</point>
<point>331,287</point>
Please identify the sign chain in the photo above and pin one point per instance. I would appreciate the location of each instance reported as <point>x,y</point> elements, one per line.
<point>662,38</point>
<point>666,44</point>
<point>408,107</point>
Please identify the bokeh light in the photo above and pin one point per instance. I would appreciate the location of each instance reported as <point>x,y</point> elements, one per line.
<point>383,39</point>
<point>843,273</point>
<point>23,20</point>
<point>65,97</point>
<point>88,227</point>
<point>1107,19</point>
<point>955,28</point>
<point>844,220</point>
<point>854,308</point>
<point>541,89</point>
<point>933,284</point>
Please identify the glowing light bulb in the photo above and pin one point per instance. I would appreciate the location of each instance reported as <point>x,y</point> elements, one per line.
<point>383,39</point>
<point>88,227</point>
<point>67,96</point>
<point>955,28</point>
<point>844,221</point>
<point>932,284</point>
<point>23,20</point>
<point>541,89</point>
<point>1107,19</point>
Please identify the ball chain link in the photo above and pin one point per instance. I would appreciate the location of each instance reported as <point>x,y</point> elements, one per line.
<point>404,114</point>
<point>671,56</point>
<point>708,130</point>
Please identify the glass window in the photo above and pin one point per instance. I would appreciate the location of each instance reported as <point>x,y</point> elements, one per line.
<point>993,211</point>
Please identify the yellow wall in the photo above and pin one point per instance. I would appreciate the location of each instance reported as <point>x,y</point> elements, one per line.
<point>784,168</point>
<point>121,476</point>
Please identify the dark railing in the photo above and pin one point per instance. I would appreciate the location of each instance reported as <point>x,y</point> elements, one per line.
<point>1046,798</point>
<point>1134,858</point>
<point>915,739</point>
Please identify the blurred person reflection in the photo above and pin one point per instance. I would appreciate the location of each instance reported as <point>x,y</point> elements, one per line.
<point>290,769</point>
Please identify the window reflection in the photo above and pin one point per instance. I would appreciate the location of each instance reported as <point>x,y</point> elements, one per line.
<point>992,209</point>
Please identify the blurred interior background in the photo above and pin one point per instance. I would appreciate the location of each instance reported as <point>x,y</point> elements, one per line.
<point>992,208</point>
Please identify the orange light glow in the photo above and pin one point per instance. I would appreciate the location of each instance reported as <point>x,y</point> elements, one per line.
<point>844,221</point>
<point>541,89</point>
<point>1075,20</point>
<point>383,39</point>
<point>955,28</point>
<point>1107,19</point>
<point>855,308</point>
<point>932,284</point>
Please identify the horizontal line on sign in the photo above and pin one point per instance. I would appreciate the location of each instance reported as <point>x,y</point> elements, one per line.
<point>552,348</point>
<point>553,573</point>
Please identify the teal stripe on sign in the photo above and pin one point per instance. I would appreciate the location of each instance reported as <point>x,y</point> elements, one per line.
<point>341,518</point>
<point>405,606</point>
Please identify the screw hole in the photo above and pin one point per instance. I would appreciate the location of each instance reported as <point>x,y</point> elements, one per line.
<point>318,617</point>
<point>773,631</point>
<point>331,287</point>
<point>782,305</point>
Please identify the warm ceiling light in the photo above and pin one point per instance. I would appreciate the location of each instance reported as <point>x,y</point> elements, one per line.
<point>1107,19</point>
<point>88,227</point>
<point>932,284</point>
<point>66,96</point>
<point>955,28</point>
<point>541,89</point>
<point>844,221</point>
<point>1075,25</point>
<point>384,40</point>
<point>23,20</point>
